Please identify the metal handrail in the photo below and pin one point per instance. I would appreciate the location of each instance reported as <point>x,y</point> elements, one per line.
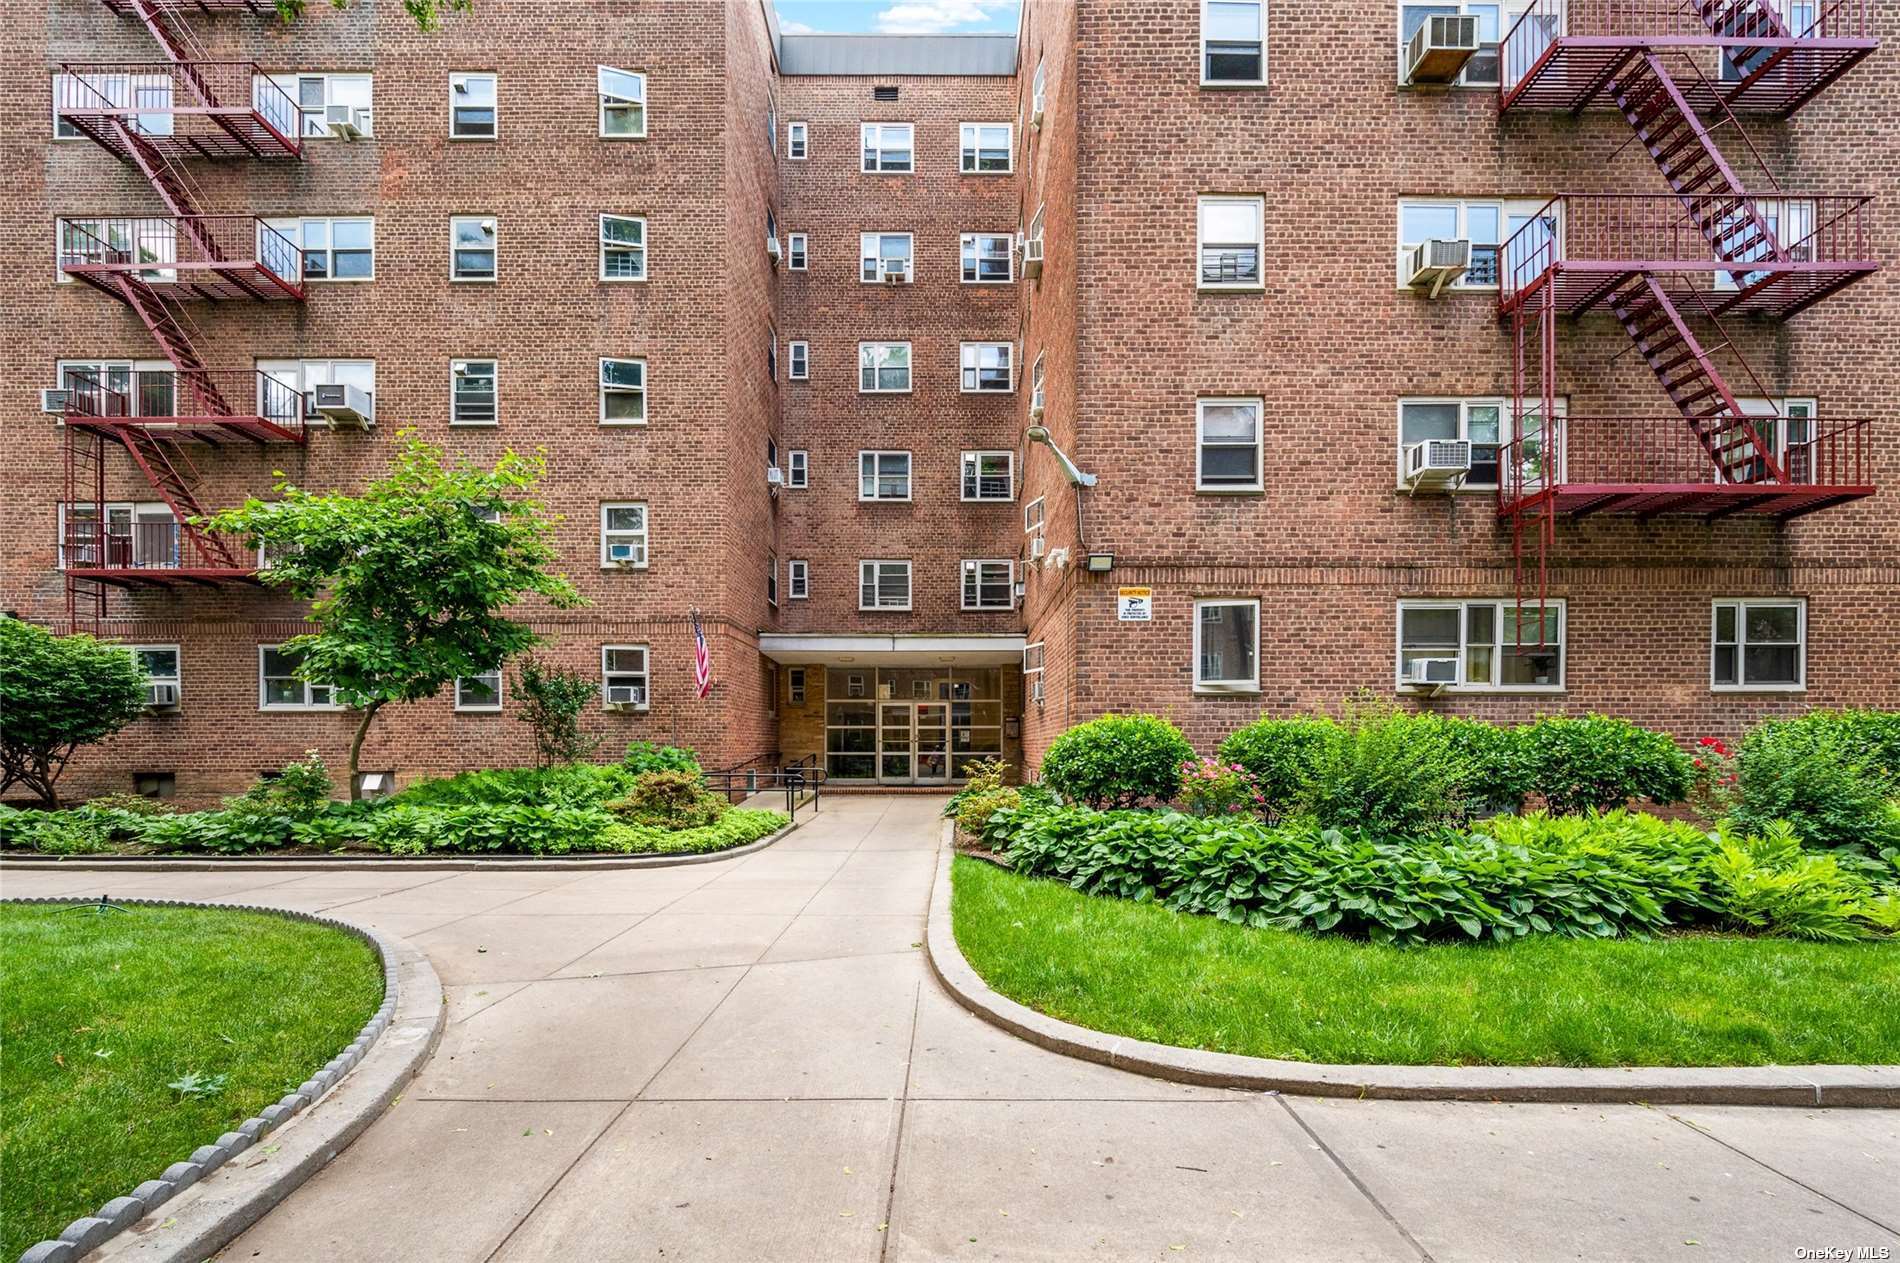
<point>155,89</point>
<point>1661,450</point>
<point>795,779</point>
<point>166,394</point>
<point>159,246</point>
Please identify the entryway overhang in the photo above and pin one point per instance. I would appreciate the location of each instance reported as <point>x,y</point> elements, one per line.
<point>893,650</point>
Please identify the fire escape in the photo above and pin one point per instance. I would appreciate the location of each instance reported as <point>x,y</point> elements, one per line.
<point>154,116</point>
<point>1675,269</point>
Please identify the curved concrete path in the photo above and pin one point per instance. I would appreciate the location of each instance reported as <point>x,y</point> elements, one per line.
<point>748,1061</point>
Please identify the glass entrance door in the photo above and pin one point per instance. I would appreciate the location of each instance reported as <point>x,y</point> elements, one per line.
<point>895,746</point>
<point>932,741</point>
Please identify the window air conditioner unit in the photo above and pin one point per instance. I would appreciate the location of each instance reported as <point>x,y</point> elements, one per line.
<point>1032,256</point>
<point>1035,118</point>
<point>1438,262</point>
<point>344,122</point>
<point>344,407</point>
<point>622,554</point>
<point>55,401</point>
<point>1440,47</point>
<point>773,249</point>
<point>1036,547</point>
<point>774,476</point>
<point>1035,690</point>
<point>1437,463</point>
<point>161,696</point>
<point>624,696</point>
<point>1430,673</point>
<point>896,275</point>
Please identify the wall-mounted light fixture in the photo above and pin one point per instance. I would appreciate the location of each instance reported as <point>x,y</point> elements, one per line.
<point>1101,563</point>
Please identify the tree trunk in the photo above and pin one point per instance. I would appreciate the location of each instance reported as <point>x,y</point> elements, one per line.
<point>356,748</point>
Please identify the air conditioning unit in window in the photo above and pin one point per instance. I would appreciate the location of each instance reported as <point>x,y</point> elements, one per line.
<point>1037,546</point>
<point>55,402</point>
<point>896,275</point>
<point>344,122</point>
<point>1430,674</point>
<point>623,554</point>
<point>344,407</point>
<point>774,476</point>
<point>774,250</point>
<point>625,697</point>
<point>1035,690</point>
<point>1032,256</point>
<point>161,696</point>
<point>1440,47</point>
<point>1437,262</point>
<point>1436,463</point>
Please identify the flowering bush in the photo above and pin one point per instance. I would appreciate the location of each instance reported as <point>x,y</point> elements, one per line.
<point>1715,786</point>
<point>1212,788</point>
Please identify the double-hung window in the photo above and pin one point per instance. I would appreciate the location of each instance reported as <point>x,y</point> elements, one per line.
<point>989,585</point>
<point>623,676</point>
<point>883,368</point>
<point>479,692</point>
<point>623,392</point>
<point>795,141</point>
<point>279,379</point>
<point>472,105</point>
<point>798,581</point>
<point>141,536</point>
<point>1228,444</point>
<point>797,251</point>
<point>623,103</point>
<point>989,258</point>
<point>623,248</point>
<point>350,95</point>
<point>887,148</point>
<point>333,249</point>
<point>1481,70</point>
<point>986,148</point>
<point>798,469</point>
<point>884,256</point>
<point>883,475</point>
<point>472,248</point>
<point>279,688</point>
<point>623,536</point>
<point>989,368</point>
<point>883,585</point>
<point>162,678</point>
<point>1484,423</point>
<point>1226,645</point>
<point>1038,400</point>
<point>989,476</point>
<point>1039,91</point>
<point>1759,644</point>
<point>1489,644</point>
<point>1233,43</point>
<point>1480,222</point>
<point>798,361</point>
<point>472,394</point>
<point>1230,233</point>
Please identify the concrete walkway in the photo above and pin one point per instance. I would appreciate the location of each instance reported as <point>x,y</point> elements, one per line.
<point>748,1060</point>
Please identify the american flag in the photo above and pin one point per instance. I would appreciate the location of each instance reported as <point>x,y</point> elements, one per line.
<point>702,659</point>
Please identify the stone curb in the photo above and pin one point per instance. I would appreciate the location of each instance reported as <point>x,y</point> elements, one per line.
<point>389,863</point>
<point>1799,1086</point>
<point>197,1206</point>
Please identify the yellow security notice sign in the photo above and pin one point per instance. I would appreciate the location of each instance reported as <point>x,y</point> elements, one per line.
<point>1135,605</point>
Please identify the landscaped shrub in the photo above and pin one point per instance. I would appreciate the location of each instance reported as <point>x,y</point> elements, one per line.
<point>1212,788</point>
<point>669,800</point>
<point>133,804</point>
<point>1117,761</point>
<point>1577,763</point>
<point>1383,770</point>
<point>550,700</point>
<point>980,777</point>
<point>522,828</point>
<point>1490,771</point>
<point>1280,755</point>
<point>301,789</point>
<point>645,756</point>
<point>1714,782</point>
<point>54,832</point>
<point>974,811</point>
<point>1770,884</point>
<point>1831,775</point>
<point>736,828</point>
<point>567,785</point>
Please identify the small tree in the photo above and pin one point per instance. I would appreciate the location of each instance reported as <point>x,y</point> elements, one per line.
<point>58,693</point>
<point>408,581</point>
<point>551,701</point>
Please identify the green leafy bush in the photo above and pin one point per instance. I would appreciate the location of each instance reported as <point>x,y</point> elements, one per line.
<point>1212,788</point>
<point>550,700</point>
<point>1578,763</point>
<point>737,827</point>
<point>520,828</point>
<point>132,804</point>
<point>566,785</point>
<point>669,800</point>
<point>980,777</point>
<point>645,756</point>
<point>1491,774</point>
<point>300,790</point>
<point>1383,770</point>
<point>1280,755</point>
<point>58,693</point>
<point>1117,761</point>
<point>54,833</point>
<point>975,810</point>
<point>1770,884</point>
<point>1829,774</point>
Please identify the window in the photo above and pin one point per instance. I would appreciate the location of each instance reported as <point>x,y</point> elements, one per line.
<point>1227,441</point>
<point>795,141</point>
<point>798,584</point>
<point>333,249</point>
<point>127,93</point>
<point>989,368</point>
<point>1759,645</point>
<point>795,678</point>
<point>1032,517</point>
<point>989,258</point>
<point>278,687</point>
<point>623,392</point>
<point>162,679</point>
<point>623,103</point>
<point>479,692</point>
<point>798,469</point>
<point>1035,232</point>
<point>887,147</point>
<point>1039,90</point>
<point>796,251</point>
<point>884,93</point>
<point>884,367</point>
<point>1037,400</point>
<point>1233,42</point>
<point>1481,222</point>
<point>989,476</point>
<point>1232,236</point>
<point>1496,645</point>
<point>989,585</point>
<point>1032,658</point>
<point>883,475</point>
<point>315,94</point>
<point>623,536</point>
<point>277,378</point>
<point>771,353</point>
<point>472,107</point>
<point>883,585</point>
<point>771,579</point>
<point>155,784</point>
<point>1481,71</point>
<point>1480,422</point>
<point>1785,428</point>
<point>623,675</point>
<point>798,357</point>
<point>472,392</point>
<point>471,248</point>
<point>884,256</point>
<point>623,248</point>
<point>1226,646</point>
<point>136,535</point>
<point>986,148</point>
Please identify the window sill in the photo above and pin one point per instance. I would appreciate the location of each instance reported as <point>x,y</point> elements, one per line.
<point>1230,289</point>
<point>620,136</point>
<point>1230,491</point>
<point>300,710</point>
<point>473,280</point>
<point>1220,690</point>
<point>473,139</point>
<point>611,566</point>
<point>883,609</point>
<point>474,425</point>
<point>478,710</point>
<point>623,280</point>
<point>623,425</point>
<point>1465,690</point>
<point>1730,690</point>
<point>1228,85</point>
<point>1010,281</point>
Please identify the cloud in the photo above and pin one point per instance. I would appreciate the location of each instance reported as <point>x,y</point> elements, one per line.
<point>934,17</point>
<point>796,28</point>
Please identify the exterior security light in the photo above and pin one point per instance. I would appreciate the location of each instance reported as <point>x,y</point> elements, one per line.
<point>1101,563</point>
<point>1040,434</point>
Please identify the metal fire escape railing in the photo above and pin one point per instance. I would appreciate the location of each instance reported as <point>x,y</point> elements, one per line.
<point>1668,267</point>
<point>155,116</point>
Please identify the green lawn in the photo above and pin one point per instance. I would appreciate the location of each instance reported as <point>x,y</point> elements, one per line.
<point>99,1013</point>
<point>1140,970</point>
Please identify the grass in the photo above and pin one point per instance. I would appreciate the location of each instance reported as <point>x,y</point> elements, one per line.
<point>1691,1000</point>
<point>99,1013</point>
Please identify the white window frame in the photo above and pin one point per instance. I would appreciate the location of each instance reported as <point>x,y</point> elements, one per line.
<point>874,566</point>
<point>1507,431</point>
<point>871,253</point>
<point>458,372</point>
<point>1509,11</point>
<point>641,391</point>
<point>1038,385</point>
<point>874,457</point>
<point>970,149</point>
<point>871,139</point>
<point>798,469</point>
<point>482,708</point>
<point>1201,70</point>
<point>970,361</point>
<point>1248,685</point>
<point>1259,243</point>
<point>797,580</point>
<point>1780,412</point>
<point>973,569</point>
<point>644,675</point>
<point>641,539</point>
<point>177,677</point>
<point>1505,208</point>
<point>607,245</point>
<point>798,360</point>
<point>605,101</point>
<point>910,369</point>
<point>126,514</point>
<point>303,376</point>
<point>123,91</point>
<point>771,580</point>
<point>1740,644</point>
<point>493,249</point>
<point>494,80</point>
<point>797,251</point>
<point>315,126</point>
<point>1034,518</point>
<point>969,250</point>
<point>294,228</point>
<point>1039,89</point>
<point>1033,658</point>
<point>1501,607</point>
<point>797,140</point>
<point>1259,444</point>
<point>971,476</point>
<point>309,690</point>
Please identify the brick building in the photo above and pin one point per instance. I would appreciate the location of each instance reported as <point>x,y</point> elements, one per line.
<point>901,360</point>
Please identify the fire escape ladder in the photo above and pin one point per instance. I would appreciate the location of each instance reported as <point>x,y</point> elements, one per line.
<point>170,471</point>
<point>85,485</point>
<point>168,330</point>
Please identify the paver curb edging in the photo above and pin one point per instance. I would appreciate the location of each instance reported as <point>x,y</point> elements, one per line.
<point>198,1206</point>
<point>388,863</point>
<point>1801,1086</point>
